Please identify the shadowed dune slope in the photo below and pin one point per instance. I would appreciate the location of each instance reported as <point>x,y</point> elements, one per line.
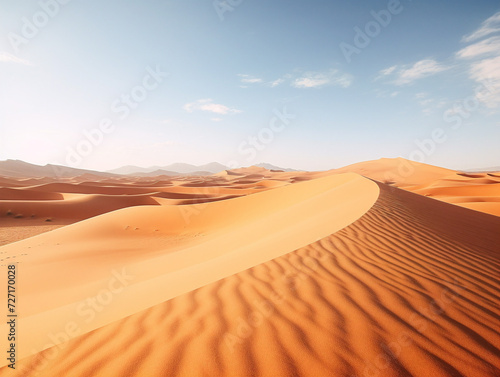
<point>79,207</point>
<point>409,289</point>
<point>20,194</point>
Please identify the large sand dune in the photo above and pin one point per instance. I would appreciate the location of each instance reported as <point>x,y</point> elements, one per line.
<point>171,250</point>
<point>264,276</point>
<point>478,191</point>
<point>404,291</point>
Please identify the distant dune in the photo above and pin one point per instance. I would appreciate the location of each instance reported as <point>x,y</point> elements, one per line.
<point>478,191</point>
<point>253,272</point>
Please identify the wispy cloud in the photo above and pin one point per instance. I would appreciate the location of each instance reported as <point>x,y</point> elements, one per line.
<point>249,79</point>
<point>208,105</point>
<point>6,57</point>
<point>388,71</point>
<point>407,74</point>
<point>487,72</point>
<point>487,47</point>
<point>277,82</point>
<point>420,69</point>
<point>300,79</point>
<point>386,94</point>
<point>484,59</point>
<point>489,26</point>
<point>320,79</point>
<point>428,104</point>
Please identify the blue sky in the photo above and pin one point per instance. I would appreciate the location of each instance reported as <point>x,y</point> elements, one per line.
<point>305,84</point>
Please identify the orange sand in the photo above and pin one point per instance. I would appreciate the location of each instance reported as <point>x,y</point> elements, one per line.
<point>258,273</point>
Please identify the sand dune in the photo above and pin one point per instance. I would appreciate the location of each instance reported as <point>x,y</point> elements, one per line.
<point>77,208</point>
<point>14,230</point>
<point>86,189</point>
<point>397,171</point>
<point>469,189</point>
<point>257,273</point>
<point>478,191</point>
<point>23,212</point>
<point>7,182</point>
<point>187,247</point>
<point>406,290</point>
<point>7,193</point>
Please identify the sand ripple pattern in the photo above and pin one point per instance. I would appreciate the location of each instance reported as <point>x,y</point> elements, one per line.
<point>410,289</point>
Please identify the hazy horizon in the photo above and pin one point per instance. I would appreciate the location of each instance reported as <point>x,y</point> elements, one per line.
<point>305,85</point>
<point>476,168</point>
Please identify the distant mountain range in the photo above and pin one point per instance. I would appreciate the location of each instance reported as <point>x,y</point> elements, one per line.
<point>177,168</point>
<point>21,169</point>
<point>182,168</point>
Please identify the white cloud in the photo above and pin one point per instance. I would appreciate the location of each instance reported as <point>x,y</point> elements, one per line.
<point>319,79</point>
<point>388,71</point>
<point>208,105</point>
<point>487,73</point>
<point>302,80</point>
<point>407,74</point>
<point>311,81</point>
<point>489,26</point>
<point>281,80</point>
<point>429,105</point>
<point>249,79</point>
<point>5,57</point>
<point>385,72</point>
<point>216,119</point>
<point>481,57</point>
<point>483,48</point>
<point>484,57</point>
<point>277,82</point>
<point>420,69</point>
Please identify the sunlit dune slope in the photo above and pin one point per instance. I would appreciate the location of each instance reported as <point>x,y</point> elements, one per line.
<point>169,250</point>
<point>397,171</point>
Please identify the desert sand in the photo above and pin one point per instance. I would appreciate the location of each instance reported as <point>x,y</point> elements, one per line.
<point>478,191</point>
<point>357,271</point>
